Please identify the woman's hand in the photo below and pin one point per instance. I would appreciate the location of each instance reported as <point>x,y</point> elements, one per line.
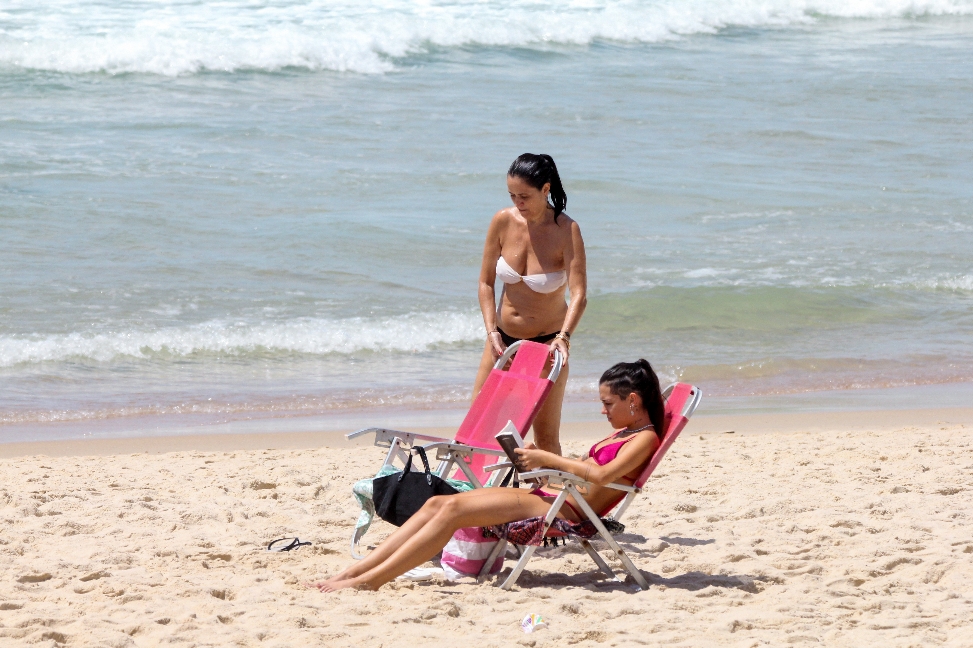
<point>496,343</point>
<point>562,346</point>
<point>532,458</point>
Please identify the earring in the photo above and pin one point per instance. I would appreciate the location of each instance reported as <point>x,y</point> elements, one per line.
<point>631,409</point>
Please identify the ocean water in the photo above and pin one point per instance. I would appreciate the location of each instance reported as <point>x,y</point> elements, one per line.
<point>249,210</point>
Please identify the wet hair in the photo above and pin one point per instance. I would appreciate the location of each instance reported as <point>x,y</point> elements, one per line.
<point>537,171</point>
<point>627,377</point>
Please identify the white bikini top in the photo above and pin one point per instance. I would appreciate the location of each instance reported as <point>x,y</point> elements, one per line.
<point>540,283</point>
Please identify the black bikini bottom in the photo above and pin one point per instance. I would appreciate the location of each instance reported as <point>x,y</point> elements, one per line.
<point>508,339</point>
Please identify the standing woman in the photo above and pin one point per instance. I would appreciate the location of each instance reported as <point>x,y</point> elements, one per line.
<point>537,252</point>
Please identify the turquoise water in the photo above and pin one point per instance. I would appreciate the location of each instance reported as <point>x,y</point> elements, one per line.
<point>284,216</point>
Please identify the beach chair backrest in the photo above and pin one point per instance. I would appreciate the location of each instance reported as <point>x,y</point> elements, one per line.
<point>680,404</point>
<point>514,395</point>
<point>530,359</point>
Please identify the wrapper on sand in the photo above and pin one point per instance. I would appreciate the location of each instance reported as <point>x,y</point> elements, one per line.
<point>845,538</point>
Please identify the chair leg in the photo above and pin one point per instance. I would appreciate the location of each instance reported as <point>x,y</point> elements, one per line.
<point>529,551</point>
<point>443,468</point>
<point>395,452</point>
<point>469,473</point>
<point>607,537</point>
<point>519,567</point>
<point>500,547</point>
<point>598,559</point>
<point>629,565</point>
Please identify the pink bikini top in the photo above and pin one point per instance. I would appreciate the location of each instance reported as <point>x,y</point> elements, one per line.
<point>605,454</point>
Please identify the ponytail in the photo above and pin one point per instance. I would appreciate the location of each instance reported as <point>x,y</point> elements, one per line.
<point>639,377</point>
<point>537,171</point>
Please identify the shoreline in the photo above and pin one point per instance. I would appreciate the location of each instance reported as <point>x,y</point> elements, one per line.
<point>822,405</point>
<point>700,424</point>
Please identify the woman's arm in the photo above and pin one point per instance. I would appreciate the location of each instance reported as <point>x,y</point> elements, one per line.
<point>488,277</point>
<point>630,456</point>
<point>577,267</point>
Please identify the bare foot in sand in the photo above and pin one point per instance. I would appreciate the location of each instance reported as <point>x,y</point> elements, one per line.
<point>340,576</point>
<point>335,585</point>
<point>320,584</point>
<point>326,581</point>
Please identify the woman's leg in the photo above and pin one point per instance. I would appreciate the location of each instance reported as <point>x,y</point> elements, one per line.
<point>480,507</point>
<point>547,425</point>
<point>486,365</point>
<point>390,544</point>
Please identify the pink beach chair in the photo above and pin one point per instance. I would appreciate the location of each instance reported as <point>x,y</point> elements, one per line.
<point>514,395</point>
<point>681,401</point>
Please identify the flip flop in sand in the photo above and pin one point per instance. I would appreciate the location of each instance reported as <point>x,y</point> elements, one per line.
<point>421,574</point>
<point>286,544</point>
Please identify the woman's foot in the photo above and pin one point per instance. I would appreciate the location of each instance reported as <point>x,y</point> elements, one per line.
<point>327,581</point>
<point>335,585</point>
<point>345,574</point>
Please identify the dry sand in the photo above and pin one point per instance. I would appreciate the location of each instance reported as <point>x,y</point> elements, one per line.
<point>850,535</point>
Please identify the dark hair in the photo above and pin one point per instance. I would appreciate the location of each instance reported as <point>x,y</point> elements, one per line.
<point>627,377</point>
<point>537,171</point>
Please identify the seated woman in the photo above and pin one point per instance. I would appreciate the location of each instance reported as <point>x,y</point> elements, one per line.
<point>632,401</point>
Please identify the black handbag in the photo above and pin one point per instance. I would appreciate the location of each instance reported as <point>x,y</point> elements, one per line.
<point>398,496</point>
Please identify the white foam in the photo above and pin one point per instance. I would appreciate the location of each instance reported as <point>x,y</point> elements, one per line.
<point>407,333</point>
<point>959,283</point>
<point>173,37</point>
<point>701,273</point>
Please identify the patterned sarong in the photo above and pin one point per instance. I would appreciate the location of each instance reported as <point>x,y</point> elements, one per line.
<point>531,530</point>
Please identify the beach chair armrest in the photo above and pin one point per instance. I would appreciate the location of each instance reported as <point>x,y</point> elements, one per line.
<point>445,447</point>
<point>498,466</point>
<point>624,487</point>
<point>384,437</point>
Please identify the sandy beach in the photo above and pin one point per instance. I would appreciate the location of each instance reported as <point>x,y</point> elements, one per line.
<point>793,529</point>
<point>235,231</point>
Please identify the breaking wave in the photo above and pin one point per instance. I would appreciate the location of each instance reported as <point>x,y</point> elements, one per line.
<point>407,333</point>
<point>175,37</point>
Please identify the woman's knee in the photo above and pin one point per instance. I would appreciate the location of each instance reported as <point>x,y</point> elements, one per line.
<point>434,504</point>
<point>448,506</point>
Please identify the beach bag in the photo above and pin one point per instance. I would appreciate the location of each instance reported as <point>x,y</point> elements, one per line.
<point>465,553</point>
<point>397,497</point>
<point>364,493</point>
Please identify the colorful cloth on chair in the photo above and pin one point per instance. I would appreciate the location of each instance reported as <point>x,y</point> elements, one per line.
<point>531,530</point>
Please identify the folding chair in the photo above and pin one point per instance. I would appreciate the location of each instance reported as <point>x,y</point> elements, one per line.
<point>513,396</point>
<point>681,401</point>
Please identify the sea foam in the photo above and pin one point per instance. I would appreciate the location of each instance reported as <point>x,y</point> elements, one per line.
<point>958,283</point>
<point>177,37</point>
<point>315,336</point>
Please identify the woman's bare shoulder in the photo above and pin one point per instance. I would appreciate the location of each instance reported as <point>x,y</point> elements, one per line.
<point>504,215</point>
<point>504,220</point>
<point>567,224</point>
<point>568,230</point>
<point>644,440</point>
